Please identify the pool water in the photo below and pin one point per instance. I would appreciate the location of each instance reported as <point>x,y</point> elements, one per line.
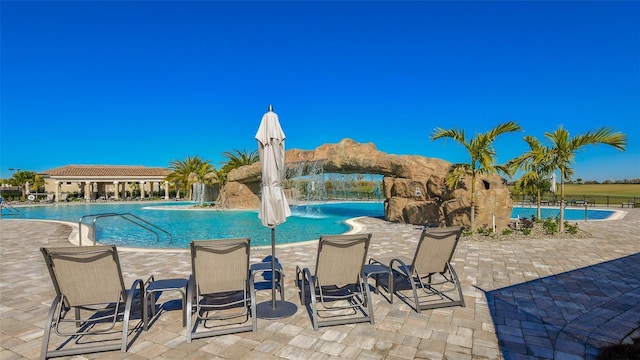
<point>569,214</point>
<point>187,223</point>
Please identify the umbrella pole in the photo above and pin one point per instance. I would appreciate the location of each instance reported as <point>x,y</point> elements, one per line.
<point>273,268</point>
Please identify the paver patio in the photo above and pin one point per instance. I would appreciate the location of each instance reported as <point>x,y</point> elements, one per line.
<point>526,299</point>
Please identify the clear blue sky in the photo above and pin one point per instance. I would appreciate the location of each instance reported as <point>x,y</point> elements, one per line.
<point>145,83</point>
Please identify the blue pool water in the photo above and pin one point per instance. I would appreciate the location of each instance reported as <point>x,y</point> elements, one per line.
<point>569,214</point>
<point>187,223</point>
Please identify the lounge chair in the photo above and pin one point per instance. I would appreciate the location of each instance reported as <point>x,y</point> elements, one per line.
<point>429,275</point>
<point>221,287</point>
<point>337,289</point>
<point>89,281</point>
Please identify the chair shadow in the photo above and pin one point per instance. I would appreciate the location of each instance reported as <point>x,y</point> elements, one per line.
<point>572,313</point>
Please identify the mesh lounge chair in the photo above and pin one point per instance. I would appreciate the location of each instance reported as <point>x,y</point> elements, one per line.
<point>88,279</point>
<point>338,292</point>
<point>221,287</point>
<point>430,276</point>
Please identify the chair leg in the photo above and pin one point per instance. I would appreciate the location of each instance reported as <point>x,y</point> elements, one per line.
<point>252,297</point>
<point>77,313</point>
<point>391,286</point>
<point>281,284</point>
<point>314,308</point>
<point>368,300</point>
<point>184,308</point>
<point>456,283</point>
<point>415,295</point>
<point>189,318</point>
<point>127,311</point>
<point>47,328</point>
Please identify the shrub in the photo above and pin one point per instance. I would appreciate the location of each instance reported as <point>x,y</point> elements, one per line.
<point>485,230</point>
<point>526,231</point>
<point>526,223</point>
<point>571,229</point>
<point>507,232</point>
<point>550,226</point>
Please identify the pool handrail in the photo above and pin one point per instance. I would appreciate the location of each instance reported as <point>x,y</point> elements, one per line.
<point>11,210</point>
<point>145,225</point>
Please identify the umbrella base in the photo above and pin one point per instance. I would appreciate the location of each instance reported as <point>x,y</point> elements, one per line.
<point>283,309</point>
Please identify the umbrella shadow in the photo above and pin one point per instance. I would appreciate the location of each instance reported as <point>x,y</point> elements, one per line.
<point>571,313</point>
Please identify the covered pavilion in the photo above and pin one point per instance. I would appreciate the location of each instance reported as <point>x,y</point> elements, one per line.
<point>105,181</point>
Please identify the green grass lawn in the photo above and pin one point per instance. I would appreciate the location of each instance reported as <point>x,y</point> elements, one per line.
<point>601,194</point>
<point>602,189</point>
<point>597,189</point>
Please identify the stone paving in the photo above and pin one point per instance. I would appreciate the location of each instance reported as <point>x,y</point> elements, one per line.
<point>525,299</point>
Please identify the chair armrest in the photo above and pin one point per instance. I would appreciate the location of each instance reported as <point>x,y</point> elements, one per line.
<point>149,281</point>
<point>298,272</point>
<point>137,287</point>
<point>400,267</point>
<point>300,282</point>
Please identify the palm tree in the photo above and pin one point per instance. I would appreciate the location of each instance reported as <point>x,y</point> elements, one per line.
<point>182,170</point>
<point>21,178</point>
<point>482,155</point>
<point>537,164</point>
<point>235,159</point>
<point>202,175</point>
<point>564,148</point>
<point>238,158</point>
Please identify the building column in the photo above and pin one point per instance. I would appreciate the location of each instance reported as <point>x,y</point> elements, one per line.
<point>87,190</point>
<point>116,186</point>
<point>141,189</point>
<point>166,190</point>
<point>58,185</point>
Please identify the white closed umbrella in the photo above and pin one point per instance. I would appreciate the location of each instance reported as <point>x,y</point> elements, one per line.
<point>553,183</point>
<point>274,208</point>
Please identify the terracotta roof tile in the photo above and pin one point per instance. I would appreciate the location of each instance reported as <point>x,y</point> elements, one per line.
<point>106,170</point>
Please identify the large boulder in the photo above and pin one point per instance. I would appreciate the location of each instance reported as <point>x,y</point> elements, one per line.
<point>413,186</point>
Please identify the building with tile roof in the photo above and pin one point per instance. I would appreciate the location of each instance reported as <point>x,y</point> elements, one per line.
<point>115,182</point>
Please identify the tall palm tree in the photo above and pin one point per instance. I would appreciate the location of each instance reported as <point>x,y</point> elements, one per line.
<point>564,148</point>
<point>537,166</point>
<point>482,154</point>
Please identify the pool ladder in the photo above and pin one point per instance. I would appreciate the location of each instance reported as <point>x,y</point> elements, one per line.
<point>10,210</point>
<point>126,216</point>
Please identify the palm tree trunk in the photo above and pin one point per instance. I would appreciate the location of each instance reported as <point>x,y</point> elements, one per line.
<point>473,201</point>
<point>538,201</point>
<point>561,200</point>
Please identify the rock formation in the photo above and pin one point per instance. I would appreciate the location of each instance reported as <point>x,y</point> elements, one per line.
<point>414,187</point>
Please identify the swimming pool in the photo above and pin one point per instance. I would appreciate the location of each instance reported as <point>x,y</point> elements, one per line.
<point>187,223</point>
<point>569,214</point>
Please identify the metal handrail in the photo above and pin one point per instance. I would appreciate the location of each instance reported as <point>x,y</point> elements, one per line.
<point>12,211</point>
<point>126,216</point>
